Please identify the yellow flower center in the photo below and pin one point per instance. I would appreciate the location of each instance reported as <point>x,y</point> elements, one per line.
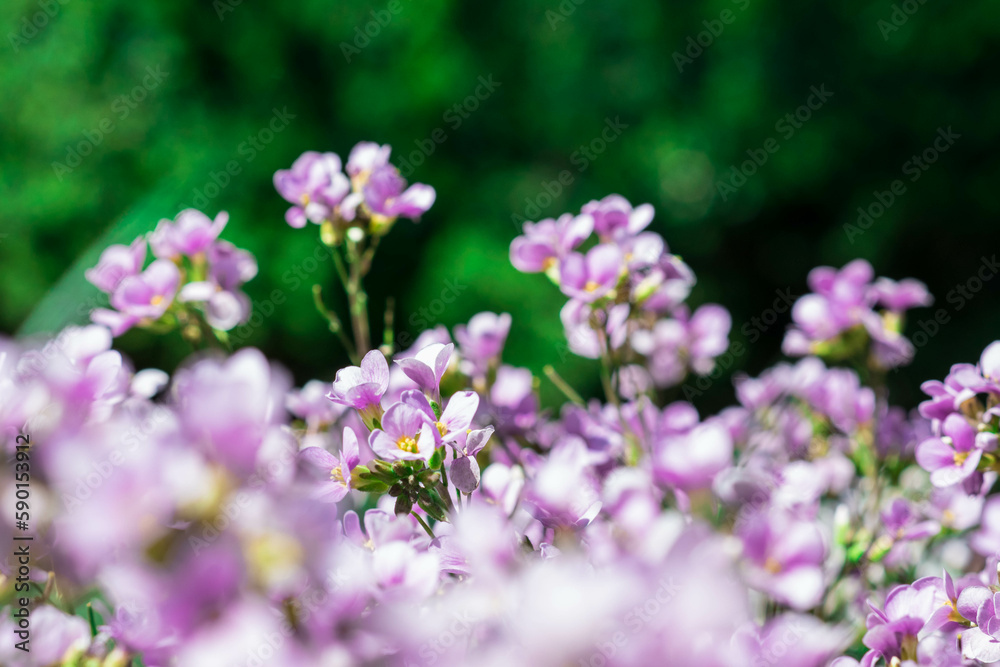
<point>305,200</point>
<point>156,300</point>
<point>407,444</point>
<point>960,457</point>
<point>893,322</point>
<point>591,286</point>
<point>442,428</point>
<point>548,263</point>
<point>337,475</point>
<point>772,565</point>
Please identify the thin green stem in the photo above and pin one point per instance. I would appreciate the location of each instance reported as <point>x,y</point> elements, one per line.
<point>357,299</point>
<point>424,524</point>
<point>388,335</point>
<point>209,335</point>
<point>334,323</point>
<point>444,484</point>
<point>338,264</point>
<point>563,386</point>
<point>609,389</point>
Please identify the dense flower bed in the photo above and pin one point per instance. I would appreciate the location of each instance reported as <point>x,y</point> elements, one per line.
<point>423,509</point>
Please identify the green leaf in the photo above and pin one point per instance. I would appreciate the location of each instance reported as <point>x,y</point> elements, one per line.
<point>436,459</point>
<point>371,486</point>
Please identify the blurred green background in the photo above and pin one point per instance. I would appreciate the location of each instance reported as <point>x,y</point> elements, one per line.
<point>201,79</point>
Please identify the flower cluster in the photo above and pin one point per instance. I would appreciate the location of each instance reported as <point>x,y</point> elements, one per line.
<point>421,506</point>
<point>626,292</point>
<point>194,279</point>
<point>371,195</point>
<point>839,320</point>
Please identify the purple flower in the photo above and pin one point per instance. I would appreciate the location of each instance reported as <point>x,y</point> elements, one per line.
<point>117,262</point>
<point>986,540</point>
<point>592,276</point>
<point>838,394</point>
<point>406,434</point>
<point>785,558</point>
<point>365,157</point>
<point>311,404</point>
<point>315,184</point>
<point>953,456</point>
<point>677,343</point>
<point>362,387</point>
<point>962,384</point>
<point>229,268</point>
<point>513,400</point>
<point>482,341</point>
<point>55,634</point>
<point>191,233</point>
<point>401,572</point>
<point>455,419</point>
<point>546,242</point>
<point>232,405</point>
<point>838,302</point>
<point>615,219</point>
<point>843,300</point>
<point>380,188</point>
<point>690,460</point>
<point>427,367</point>
<point>902,295</point>
<point>387,197</point>
<point>903,524</point>
<point>893,630</point>
<point>583,339</point>
<point>337,470</point>
<point>665,286</point>
<point>564,490</point>
<point>989,364</point>
<point>502,486</point>
<point>793,640</point>
<point>962,601</point>
<point>955,509</point>
<point>464,470</point>
<point>140,299</point>
<point>982,641</point>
